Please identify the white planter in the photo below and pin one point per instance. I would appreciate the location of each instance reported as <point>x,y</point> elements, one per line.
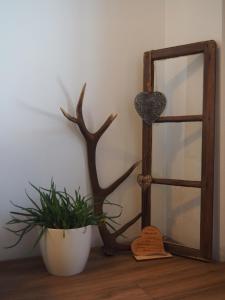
<point>65,252</point>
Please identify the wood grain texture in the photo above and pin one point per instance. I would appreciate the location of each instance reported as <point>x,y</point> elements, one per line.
<point>181,250</point>
<point>174,119</point>
<point>208,49</point>
<point>177,182</point>
<point>148,85</point>
<point>182,50</point>
<point>115,278</point>
<point>208,137</point>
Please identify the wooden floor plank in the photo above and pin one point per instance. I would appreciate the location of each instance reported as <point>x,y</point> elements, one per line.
<point>114,278</point>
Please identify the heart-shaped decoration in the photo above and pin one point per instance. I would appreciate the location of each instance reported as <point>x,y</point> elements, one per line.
<point>149,245</point>
<point>150,105</point>
<point>144,181</point>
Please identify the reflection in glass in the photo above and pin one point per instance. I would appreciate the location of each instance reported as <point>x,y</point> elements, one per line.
<point>181,80</point>
<point>176,211</point>
<point>176,150</point>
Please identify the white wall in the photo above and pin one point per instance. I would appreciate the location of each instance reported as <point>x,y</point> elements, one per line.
<point>186,22</point>
<point>49,49</point>
<point>177,147</point>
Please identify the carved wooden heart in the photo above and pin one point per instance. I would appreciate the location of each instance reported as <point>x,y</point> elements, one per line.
<point>149,245</point>
<point>150,105</point>
<point>144,181</point>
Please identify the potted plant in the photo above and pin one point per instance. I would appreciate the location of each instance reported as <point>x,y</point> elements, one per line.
<point>64,228</point>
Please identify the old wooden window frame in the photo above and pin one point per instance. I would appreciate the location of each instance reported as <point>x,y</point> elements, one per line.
<point>208,49</point>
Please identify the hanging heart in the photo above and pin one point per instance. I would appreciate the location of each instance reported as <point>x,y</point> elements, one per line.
<point>150,105</point>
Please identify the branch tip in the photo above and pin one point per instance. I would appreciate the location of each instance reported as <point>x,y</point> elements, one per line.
<point>68,116</point>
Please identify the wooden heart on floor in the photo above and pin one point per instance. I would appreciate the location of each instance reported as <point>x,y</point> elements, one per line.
<point>150,105</point>
<point>149,245</point>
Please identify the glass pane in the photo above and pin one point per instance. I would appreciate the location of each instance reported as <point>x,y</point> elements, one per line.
<point>176,151</point>
<point>181,82</point>
<point>176,211</point>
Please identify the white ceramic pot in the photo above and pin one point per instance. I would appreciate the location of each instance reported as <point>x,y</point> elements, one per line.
<point>65,252</point>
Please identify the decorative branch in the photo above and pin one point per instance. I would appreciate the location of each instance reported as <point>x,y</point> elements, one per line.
<point>126,226</point>
<point>69,117</point>
<point>105,126</point>
<point>109,239</point>
<point>115,184</point>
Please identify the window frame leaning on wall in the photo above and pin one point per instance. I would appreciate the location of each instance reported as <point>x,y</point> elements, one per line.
<point>206,184</point>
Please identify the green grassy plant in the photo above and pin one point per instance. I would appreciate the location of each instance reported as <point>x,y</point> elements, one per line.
<point>56,209</point>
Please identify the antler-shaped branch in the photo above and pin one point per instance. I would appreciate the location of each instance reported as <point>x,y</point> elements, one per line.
<point>109,239</point>
<point>115,184</point>
<point>126,226</point>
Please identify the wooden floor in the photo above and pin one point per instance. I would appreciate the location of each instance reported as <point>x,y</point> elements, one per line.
<point>116,278</point>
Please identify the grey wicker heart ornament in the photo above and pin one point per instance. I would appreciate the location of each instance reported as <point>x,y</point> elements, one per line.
<point>150,105</point>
